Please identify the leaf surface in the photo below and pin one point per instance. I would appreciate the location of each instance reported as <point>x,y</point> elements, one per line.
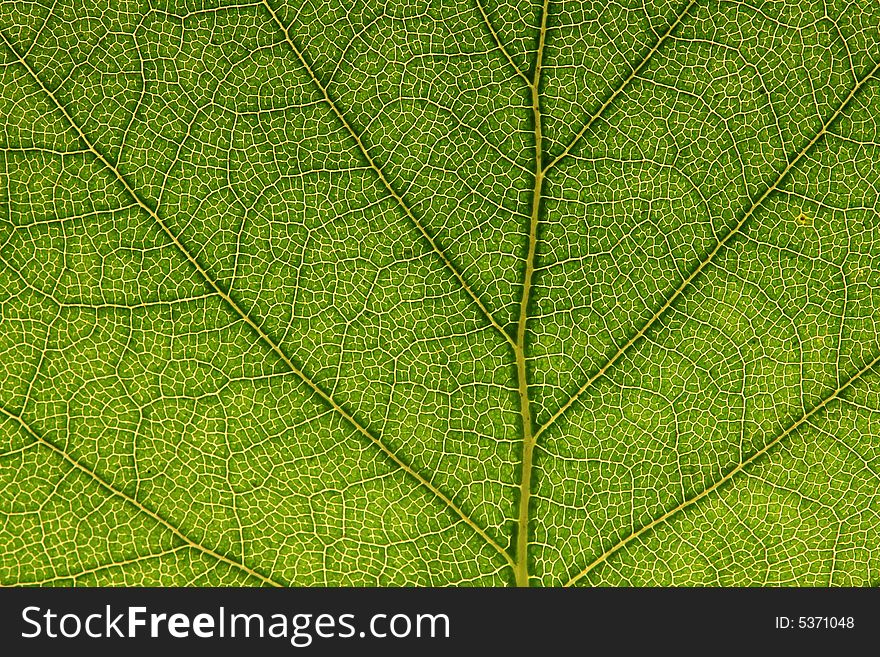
<point>439,293</point>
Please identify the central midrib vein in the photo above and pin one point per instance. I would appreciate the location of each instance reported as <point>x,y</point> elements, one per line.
<point>528,448</point>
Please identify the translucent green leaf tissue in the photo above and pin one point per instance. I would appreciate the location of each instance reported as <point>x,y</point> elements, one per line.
<point>466,292</point>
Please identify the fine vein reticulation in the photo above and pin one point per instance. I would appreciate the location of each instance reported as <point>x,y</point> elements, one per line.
<point>451,293</point>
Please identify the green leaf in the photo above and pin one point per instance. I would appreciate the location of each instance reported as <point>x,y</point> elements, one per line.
<point>466,292</point>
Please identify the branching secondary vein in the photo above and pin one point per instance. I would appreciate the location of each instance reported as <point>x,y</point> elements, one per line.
<point>538,162</point>
<point>262,335</point>
<point>530,435</point>
<point>719,246</point>
<point>140,506</point>
<point>614,95</point>
<point>430,239</point>
<point>804,419</point>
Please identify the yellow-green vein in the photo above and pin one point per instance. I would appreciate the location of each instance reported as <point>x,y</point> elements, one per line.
<point>263,336</point>
<point>432,242</point>
<point>727,477</point>
<point>701,266</point>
